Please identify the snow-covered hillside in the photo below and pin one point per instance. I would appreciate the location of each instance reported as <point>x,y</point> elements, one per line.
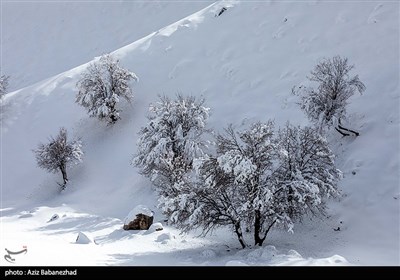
<point>44,38</point>
<point>245,63</point>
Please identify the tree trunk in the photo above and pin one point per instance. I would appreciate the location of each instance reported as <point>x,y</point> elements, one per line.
<point>239,234</point>
<point>339,128</point>
<point>344,134</point>
<point>113,119</point>
<point>113,115</point>
<point>257,228</point>
<point>349,130</point>
<point>64,174</point>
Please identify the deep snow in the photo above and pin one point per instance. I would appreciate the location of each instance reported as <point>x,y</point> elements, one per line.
<point>244,63</point>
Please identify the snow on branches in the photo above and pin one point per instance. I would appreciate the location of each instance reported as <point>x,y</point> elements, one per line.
<point>258,179</point>
<point>171,140</point>
<point>326,104</point>
<point>102,86</point>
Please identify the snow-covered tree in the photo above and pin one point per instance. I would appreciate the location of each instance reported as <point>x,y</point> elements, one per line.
<point>102,86</point>
<point>256,182</point>
<point>232,187</point>
<point>325,105</point>
<point>171,140</point>
<point>305,175</point>
<point>58,154</point>
<point>3,85</point>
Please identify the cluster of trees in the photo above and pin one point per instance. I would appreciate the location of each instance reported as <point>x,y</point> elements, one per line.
<point>252,179</point>
<point>256,178</point>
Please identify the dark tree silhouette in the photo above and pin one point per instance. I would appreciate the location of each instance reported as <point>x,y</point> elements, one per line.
<point>58,154</point>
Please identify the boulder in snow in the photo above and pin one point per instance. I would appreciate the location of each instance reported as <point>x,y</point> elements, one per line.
<point>164,237</point>
<point>155,227</point>
<point>83,238</point>
<point>140,218</point>
<point>53,218</point>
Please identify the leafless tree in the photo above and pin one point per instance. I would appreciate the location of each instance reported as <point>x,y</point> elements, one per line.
<point>58,154</point>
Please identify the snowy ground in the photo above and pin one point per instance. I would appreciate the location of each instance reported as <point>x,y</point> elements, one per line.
<point>54,243</point>
<point>244,63</point>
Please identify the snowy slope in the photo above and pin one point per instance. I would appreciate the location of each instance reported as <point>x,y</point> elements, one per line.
<point>244,63</point>
<point>44,38</point>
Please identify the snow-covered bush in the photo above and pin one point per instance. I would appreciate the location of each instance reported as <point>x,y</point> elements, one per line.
<point>3,85</point>
<point>58,154</point>
<point>257,181</point>
<point>171,140</point>
<point>102,86</point>
<point>327,103</point>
